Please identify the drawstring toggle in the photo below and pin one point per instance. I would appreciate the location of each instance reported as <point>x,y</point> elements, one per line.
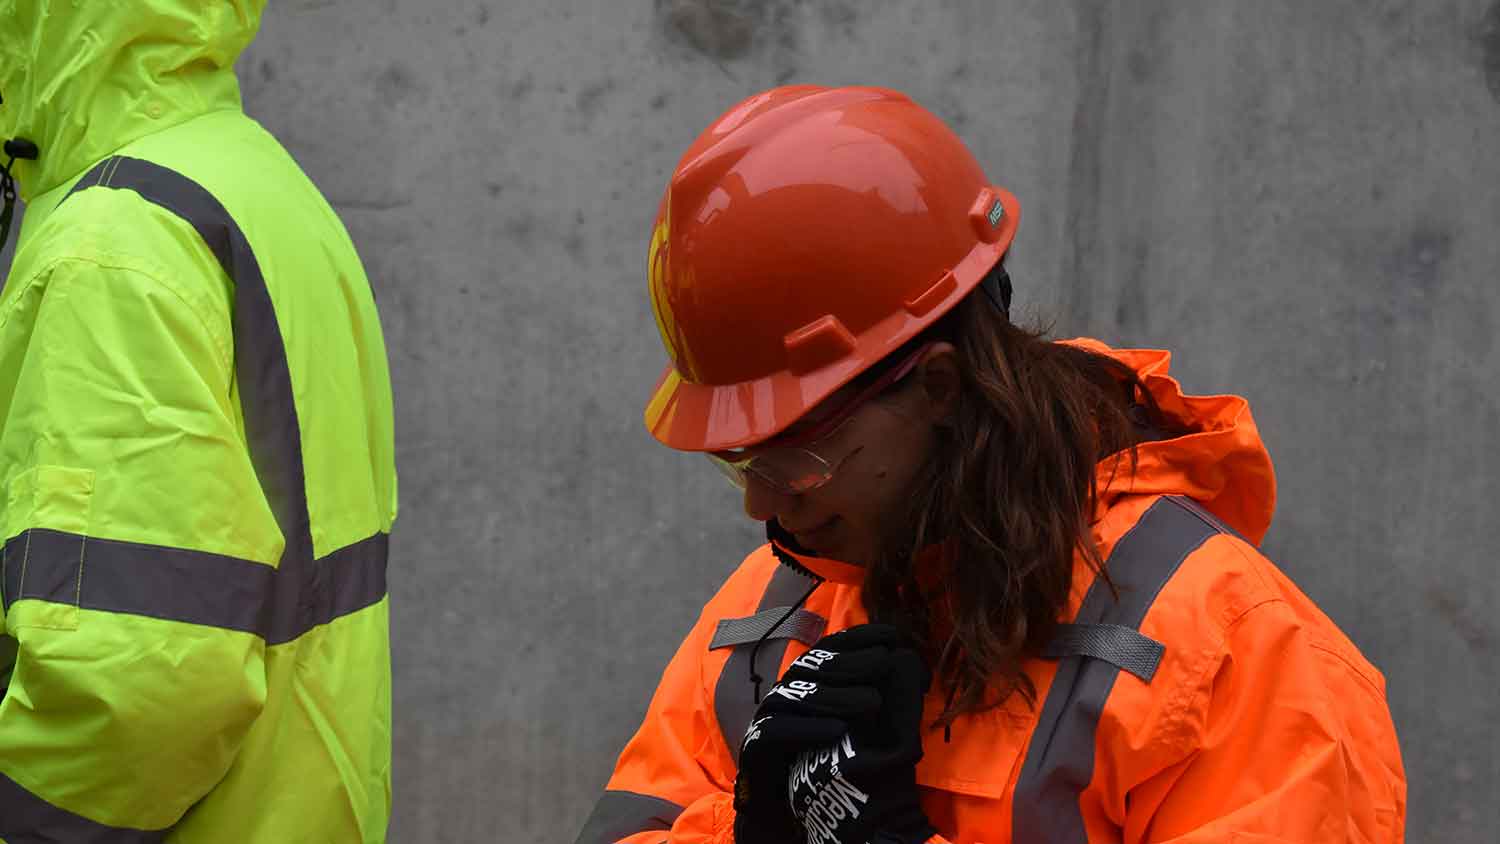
<point>14,148</point>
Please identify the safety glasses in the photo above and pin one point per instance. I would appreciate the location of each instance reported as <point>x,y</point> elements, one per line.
<point>797,464</point>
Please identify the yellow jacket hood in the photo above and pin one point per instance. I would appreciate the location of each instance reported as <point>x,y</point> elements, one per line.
<point>81,79</point>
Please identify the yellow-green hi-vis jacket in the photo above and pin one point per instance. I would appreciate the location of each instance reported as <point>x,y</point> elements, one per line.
<point>196,462</point>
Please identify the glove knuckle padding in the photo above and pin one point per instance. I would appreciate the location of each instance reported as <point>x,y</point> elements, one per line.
<point>865,636</point>
<point>849,703</point>
<point>848,667</point>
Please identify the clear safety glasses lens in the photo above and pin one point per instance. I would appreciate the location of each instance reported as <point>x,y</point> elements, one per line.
<point>790,472</point>
<point>735,472</point>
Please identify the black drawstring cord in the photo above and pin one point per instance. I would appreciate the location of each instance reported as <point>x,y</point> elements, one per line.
<point>755,651</point>
<point>948,727</point>
<point>15,148</point>
<point>777,537</point>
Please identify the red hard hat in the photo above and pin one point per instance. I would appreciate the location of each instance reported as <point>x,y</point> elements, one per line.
<point>805,235</point>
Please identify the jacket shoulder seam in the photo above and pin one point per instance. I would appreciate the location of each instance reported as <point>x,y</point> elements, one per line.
<point>1371,684</point>
<point>224,353</point>
<point>69,215</point>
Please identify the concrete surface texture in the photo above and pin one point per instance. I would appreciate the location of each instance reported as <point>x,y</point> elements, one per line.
<point>1301,199</point>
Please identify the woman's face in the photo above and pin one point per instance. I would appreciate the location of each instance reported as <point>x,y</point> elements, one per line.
<point>878,454</point>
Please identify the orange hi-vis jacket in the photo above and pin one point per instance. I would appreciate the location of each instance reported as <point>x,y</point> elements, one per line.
<point>1210,702</point>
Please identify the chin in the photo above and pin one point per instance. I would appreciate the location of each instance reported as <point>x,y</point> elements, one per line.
<point>851,555</point>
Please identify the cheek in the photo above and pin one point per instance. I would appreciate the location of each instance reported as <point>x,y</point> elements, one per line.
<point>896,467</point>
<point>885,482</point>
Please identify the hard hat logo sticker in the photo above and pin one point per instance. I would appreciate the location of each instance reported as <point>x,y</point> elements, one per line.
<point>997,213</point>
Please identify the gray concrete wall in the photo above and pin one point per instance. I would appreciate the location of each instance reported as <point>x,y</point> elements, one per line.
<point>1300,197</point>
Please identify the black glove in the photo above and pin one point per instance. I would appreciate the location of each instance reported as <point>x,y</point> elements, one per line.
<point>863,788</point>
<point>843,723</point>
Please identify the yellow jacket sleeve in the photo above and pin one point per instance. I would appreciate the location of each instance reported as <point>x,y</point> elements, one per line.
<point>128,492</point>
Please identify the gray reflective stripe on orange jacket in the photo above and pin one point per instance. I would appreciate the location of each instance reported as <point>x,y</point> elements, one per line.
<point>734,693</point>
<point>803,625</point>
<point>620,814</point>
<point>1060,760</point>
<point>1124,648</point>
<point>279,604</point>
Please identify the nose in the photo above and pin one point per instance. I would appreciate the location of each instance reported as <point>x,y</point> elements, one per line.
<point>762,503</point>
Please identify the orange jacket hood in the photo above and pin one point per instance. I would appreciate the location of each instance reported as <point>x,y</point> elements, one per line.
<point>1220,461</point>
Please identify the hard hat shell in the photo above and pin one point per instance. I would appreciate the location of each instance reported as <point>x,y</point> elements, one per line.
<point>805,235</point>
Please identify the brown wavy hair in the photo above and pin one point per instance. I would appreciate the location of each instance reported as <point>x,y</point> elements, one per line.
<point>1009,494</point>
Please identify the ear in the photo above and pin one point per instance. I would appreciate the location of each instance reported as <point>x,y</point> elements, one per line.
<point>938,374</point>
